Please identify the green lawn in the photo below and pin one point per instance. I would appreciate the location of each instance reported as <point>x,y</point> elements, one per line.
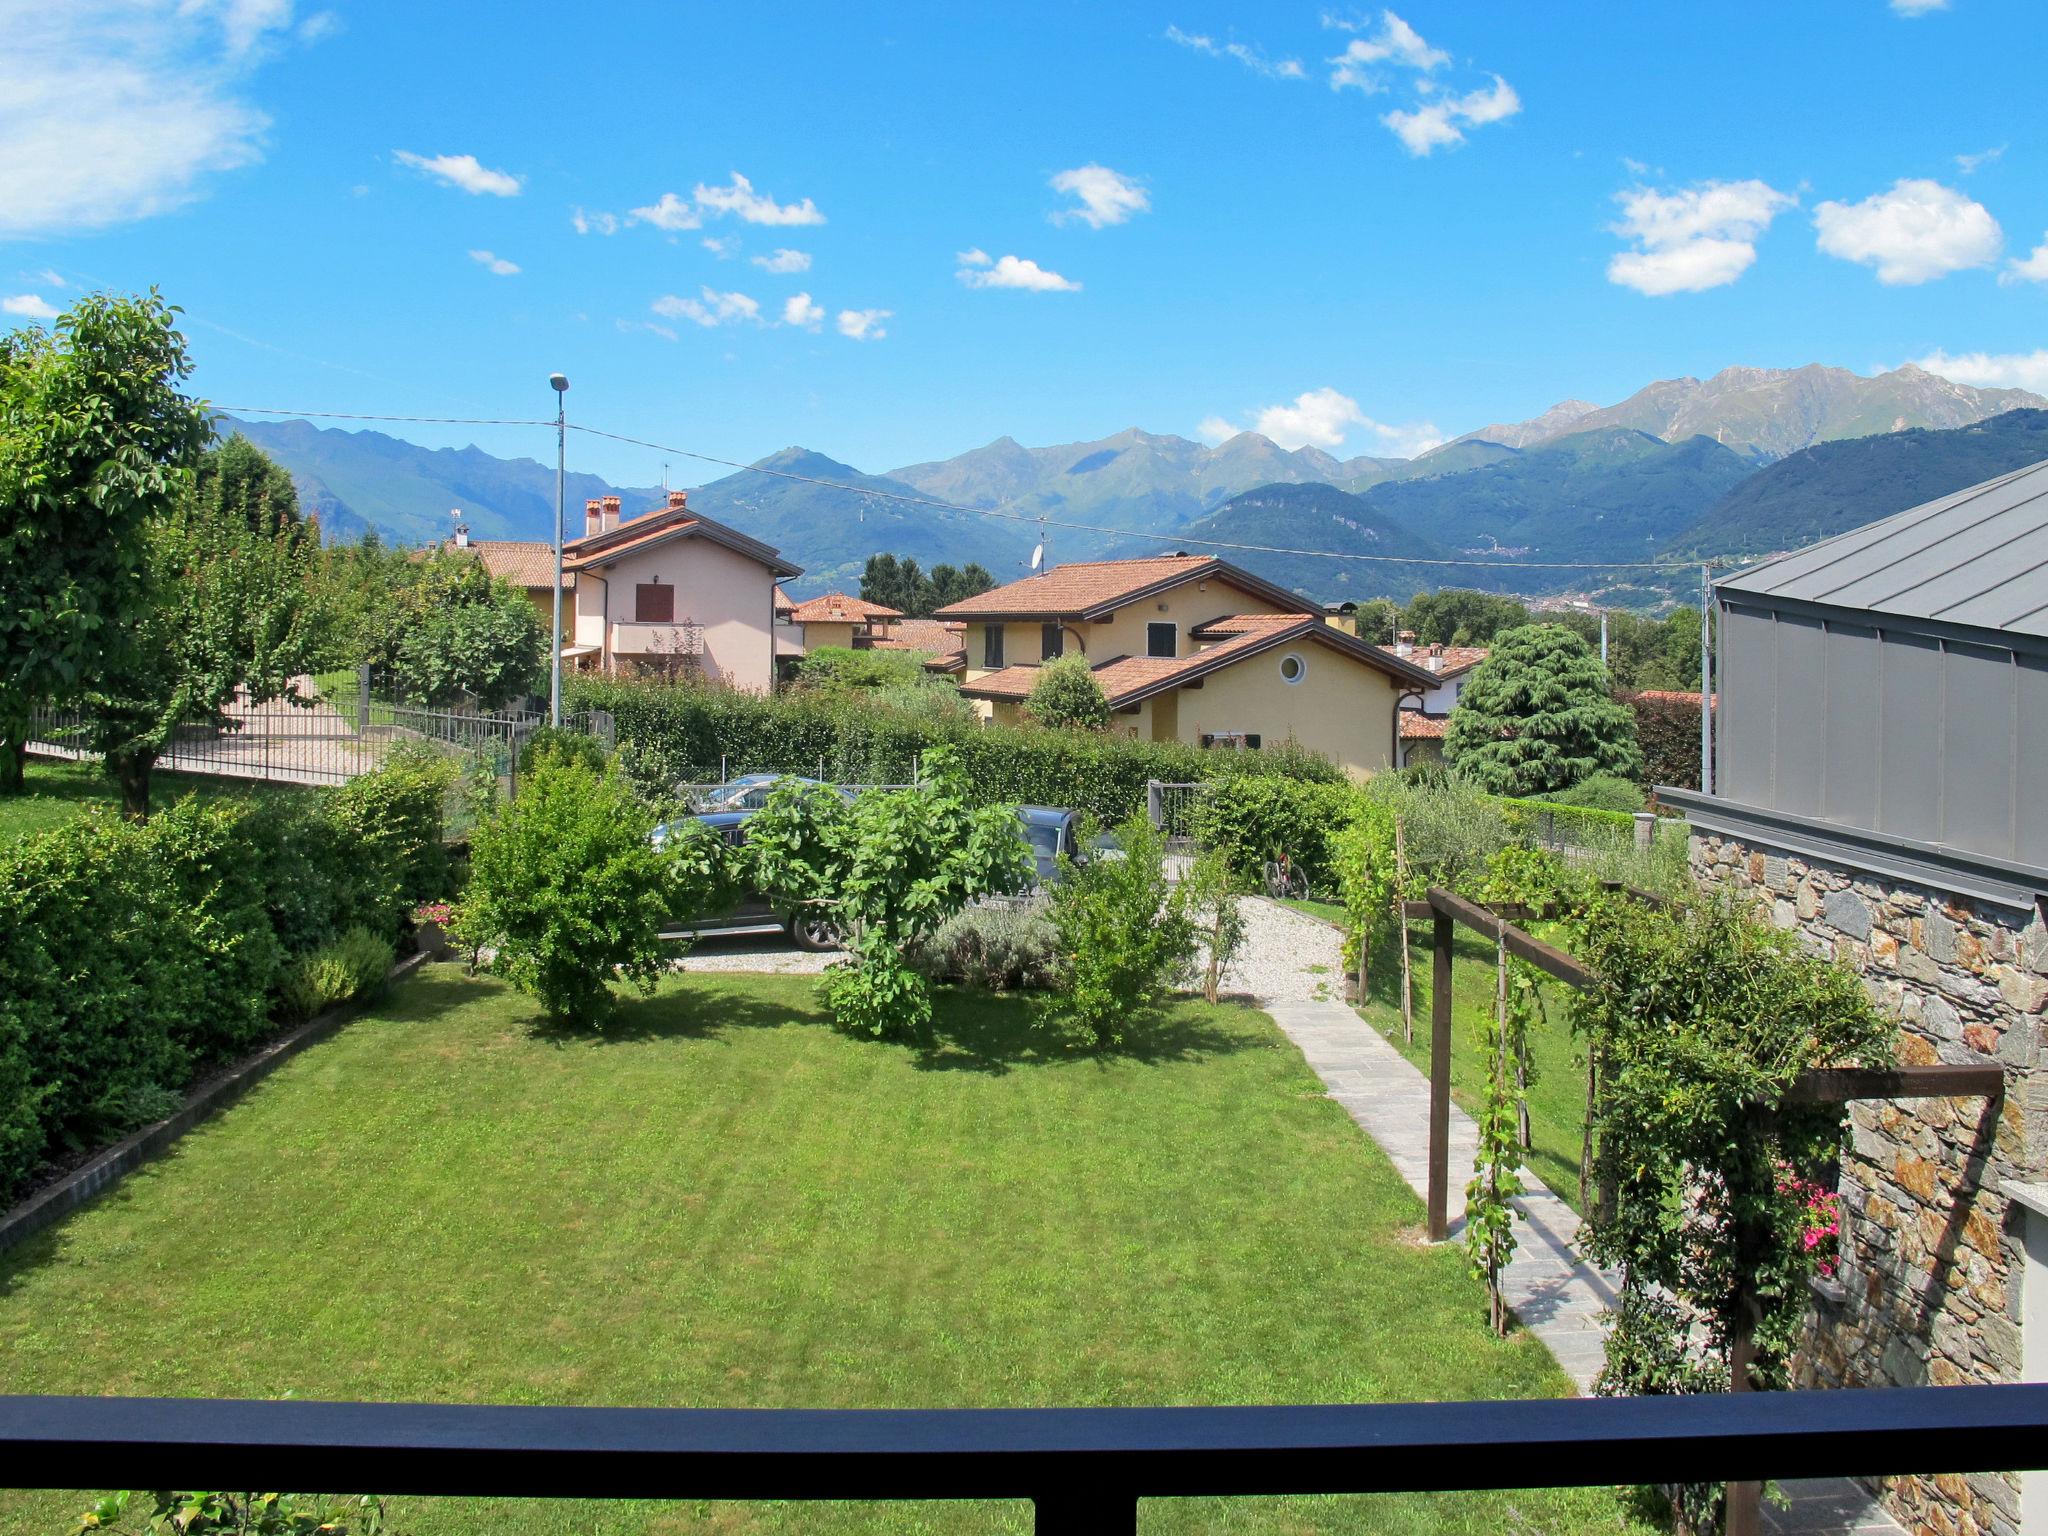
<point>1557,1098</point>
<point>726,1202</point>
<point>58,792</point>
<point>1328,911</point>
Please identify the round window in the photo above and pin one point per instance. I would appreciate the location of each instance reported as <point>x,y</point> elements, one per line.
<point>1292,668</point>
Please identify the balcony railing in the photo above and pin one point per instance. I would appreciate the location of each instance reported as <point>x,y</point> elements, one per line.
<point>1085,1469</point>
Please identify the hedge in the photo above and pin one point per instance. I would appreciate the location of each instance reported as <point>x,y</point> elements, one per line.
<point>1253,820</point>
<point>679,733</point>
<point>137,954</point>
<point>1668,732</point>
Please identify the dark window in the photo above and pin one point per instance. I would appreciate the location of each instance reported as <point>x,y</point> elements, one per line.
<point>654,603</point>
<point>1162,639</point>
<point>1051,640</point>
<point>992,646</point>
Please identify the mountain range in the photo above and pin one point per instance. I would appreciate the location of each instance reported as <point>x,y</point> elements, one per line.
<point>1746,462</point>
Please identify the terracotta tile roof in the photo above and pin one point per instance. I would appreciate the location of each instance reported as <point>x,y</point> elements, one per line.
<point>933,635</point>
<point>784,604</point>
<point>1243,624</point>
<point>838,608</point>
<point>523,562</point>
<point>1672,696</point>
<point>1416,726</point>
<point>597,549</point>
<point>1451,659</point>
<point>1090,586</point>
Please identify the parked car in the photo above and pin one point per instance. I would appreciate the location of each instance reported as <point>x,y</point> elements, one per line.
<point>727,814</point>
<point>1052,831</point>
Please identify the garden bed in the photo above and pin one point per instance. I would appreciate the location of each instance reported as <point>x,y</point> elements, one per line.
<point>723,1201</point>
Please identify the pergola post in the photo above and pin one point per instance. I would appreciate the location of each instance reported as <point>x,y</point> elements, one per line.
<point>1440,1079</point>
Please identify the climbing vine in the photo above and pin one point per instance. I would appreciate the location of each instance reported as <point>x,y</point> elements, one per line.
<point>1503,1132</point>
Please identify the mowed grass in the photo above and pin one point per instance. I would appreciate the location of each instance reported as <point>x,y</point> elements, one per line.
<point>59,792</point>
<point>1557,1097</point>
<point>726,1202</point>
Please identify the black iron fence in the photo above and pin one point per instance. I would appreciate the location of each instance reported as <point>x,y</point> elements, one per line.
<point>1085,1469</point>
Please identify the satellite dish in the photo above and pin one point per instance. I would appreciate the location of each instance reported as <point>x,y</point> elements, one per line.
<point>1037,555</point>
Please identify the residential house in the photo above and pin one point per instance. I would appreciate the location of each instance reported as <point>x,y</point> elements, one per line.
<point>1190,648</point>
<point>1879,786</point>
<point>839,620</point>
<point>1425,716</point>
<point>671,591</point>
<point>942,644</point>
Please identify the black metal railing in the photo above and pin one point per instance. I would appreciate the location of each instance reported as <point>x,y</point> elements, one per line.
<point>1085,1469</point>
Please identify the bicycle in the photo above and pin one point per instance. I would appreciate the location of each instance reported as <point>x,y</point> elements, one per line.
<point>1283,879</point>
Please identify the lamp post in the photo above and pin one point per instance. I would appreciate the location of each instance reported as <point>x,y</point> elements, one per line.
<point>560,383</point>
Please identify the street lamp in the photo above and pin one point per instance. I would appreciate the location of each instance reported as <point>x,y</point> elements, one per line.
<point>560,383</point>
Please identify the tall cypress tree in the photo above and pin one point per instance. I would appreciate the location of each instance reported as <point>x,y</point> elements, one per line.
<point>1539,715</point>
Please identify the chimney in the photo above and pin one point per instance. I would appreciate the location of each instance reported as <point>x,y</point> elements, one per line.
<point>677,500</point>
<point>593,517</point>
<point>610,517</point>
<point>461,539</point>
<point>1404,642</point>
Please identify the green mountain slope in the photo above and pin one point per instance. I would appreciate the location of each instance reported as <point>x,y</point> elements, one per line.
<point>1832,487</point>
<point>358,480</point>
<point>831,532</point>
<point>1318,517</point>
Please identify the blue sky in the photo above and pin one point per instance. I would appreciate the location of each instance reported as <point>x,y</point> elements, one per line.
<point>1359,228</point>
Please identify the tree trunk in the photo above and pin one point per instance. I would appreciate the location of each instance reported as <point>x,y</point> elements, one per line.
<point>131,772</point>
<point>13,770</point>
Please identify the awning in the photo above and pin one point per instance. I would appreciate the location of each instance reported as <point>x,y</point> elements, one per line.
<point>572,652</point>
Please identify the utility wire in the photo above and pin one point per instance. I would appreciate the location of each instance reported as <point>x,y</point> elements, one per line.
<point>998,512</point>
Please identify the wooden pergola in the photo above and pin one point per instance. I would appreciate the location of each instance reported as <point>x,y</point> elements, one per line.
<point>1827,1085</point>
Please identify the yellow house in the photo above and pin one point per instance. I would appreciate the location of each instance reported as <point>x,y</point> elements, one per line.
<point>1193,649</point>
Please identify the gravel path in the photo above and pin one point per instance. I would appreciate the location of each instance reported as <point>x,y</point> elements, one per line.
<point>1287,956</point>
<point>771,953</point>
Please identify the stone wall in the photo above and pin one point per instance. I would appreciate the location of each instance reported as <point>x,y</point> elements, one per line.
<point>1928,1288</point>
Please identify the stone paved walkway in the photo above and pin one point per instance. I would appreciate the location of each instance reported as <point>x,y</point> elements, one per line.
<point>1555,1295</point>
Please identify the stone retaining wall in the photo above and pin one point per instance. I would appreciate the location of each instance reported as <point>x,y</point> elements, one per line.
<point>1928,1289</point>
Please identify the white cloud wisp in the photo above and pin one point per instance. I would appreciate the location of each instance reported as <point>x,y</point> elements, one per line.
<point>1250,57</point>
<point>864,324</point>
<point>741,200</point>
<point>1323,418</point>
<point>1915,232</point>
<point>495,264</point>
<point>1695,238</point>
<point>710,309</point>
<point>1991,370</point>
<point>784,261</point>
<point>1441,123</point>
<point>463,172</point>
<point>978,270</point>
<point>28,306</point>
<point>1104,196</point>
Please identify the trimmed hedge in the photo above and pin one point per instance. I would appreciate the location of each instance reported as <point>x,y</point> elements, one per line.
<point>677,733</point>
<point>1668,731</point>
<point>1252,820</point>
<point>137,954</point>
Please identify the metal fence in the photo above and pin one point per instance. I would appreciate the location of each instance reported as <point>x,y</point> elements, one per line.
<point>1171,809</point>
<point>314,739</point>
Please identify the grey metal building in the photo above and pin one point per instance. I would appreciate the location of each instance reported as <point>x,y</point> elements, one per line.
<point>1884,696</point>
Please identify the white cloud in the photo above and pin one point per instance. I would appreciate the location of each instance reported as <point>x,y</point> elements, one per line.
<point>1249,57</point>
<point>2033,269</point>
<point>742,200</point>
<point>463,172</point>
<point>1395,43</point>
<point>29,306</point>
<point>724,247</point>
<point>798,310</point>
<point>864,324</point>
<point>52,277</point>
<point>116,112</point>
<point>784,261</point>
<point>1991,370</point>
<point>594,223</point>
<point>667,212</point>
<point>1695,238</point>
<point>1323,418</point>
<point>1106,196</point>
<point>666,333</point>
<point>713,308</point>
<point>976,270</point>
<point>1970,164</point>
<point>1442,122</point>
<point>1918,7</point>
<point>493,263</point>
<point>1917,231</point>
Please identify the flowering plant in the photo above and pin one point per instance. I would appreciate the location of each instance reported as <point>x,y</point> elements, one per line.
<point>434,912</point>
<point>1818,1213</point>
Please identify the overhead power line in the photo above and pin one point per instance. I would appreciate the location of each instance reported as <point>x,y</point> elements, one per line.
<point>935,504</point>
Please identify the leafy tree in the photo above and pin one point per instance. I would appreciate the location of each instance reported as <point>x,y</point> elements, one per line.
<point>1067,695</point>
<point>567,883</point>
<point>956,586</point>
<point>1216,920</point>
<point>228,615</point>
<point>93,429</point>
<point>240,477</point>
<point>1457,616</point>
<point>837,669</point>
<point>1124,935</point>
<point>459,632</point>
<point>891,867</point>
<point>1538,716</point>
<point>1378,620</point>
<point>1645,653</point>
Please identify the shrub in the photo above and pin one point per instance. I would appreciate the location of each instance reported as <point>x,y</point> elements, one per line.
<point>1537,716</point>
<point>1067,695</point>
<point>1000,948</point>
<point>671,733</point>
<point>893,866</point>
<point>1601,792</point>
<point>558,742</point>
<point>1668,732</point>
<point>1449,828</point>
<point>390,824</point>
<point>1215,920</point>
<point>1124,935</point>
<point>567,884</point>
<point>1252,820</point>
<point>354,965</point>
